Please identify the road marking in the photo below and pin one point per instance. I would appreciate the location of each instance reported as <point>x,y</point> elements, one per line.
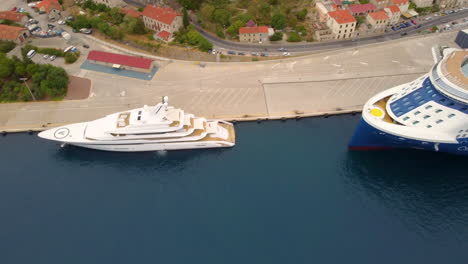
<point>364,63</point>
<point>276,65</point>
<point>394,61</point>
<point>356,52</point>
<point>326,58</point>
<point>336,65</point>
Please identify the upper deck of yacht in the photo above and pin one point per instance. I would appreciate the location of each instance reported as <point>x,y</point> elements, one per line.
<point>454,66</point>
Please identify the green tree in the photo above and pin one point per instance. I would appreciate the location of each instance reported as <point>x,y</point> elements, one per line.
<point>185,18</point>
<point>206,12</point>
<point>233,29</point>
<point>277,36</point>
<point>294,37</point>
<point>116,16</point>
<point>6,46</point>
<point>301,15</point>
<point>278,21</point>
<point>221,16</point>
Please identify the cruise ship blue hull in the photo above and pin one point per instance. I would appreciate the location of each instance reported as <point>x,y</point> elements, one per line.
<point>366,137</point>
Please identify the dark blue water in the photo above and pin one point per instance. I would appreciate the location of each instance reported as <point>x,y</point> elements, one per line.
<point>289,192</point>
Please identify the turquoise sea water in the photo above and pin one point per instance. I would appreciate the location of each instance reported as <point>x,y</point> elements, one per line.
<point>289,192</point>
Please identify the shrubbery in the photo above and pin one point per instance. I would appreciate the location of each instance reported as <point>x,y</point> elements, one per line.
<point>277,36</point>
<point>294,37</point>
<point>71,57</point>
<point>192,37</point>
<point>6,46</point>
<point>44,80</point>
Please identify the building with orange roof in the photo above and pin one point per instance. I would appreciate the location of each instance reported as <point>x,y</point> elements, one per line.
<point>51,7</point>
<point>402,4</point>
<point>393,13</point>
<point>15,34</point>
<point>159,19</point>
<point>378,21</point>
<point>342,24</point>
<point>110,3</point>
<point>14,16</point>
<point>253,34</point>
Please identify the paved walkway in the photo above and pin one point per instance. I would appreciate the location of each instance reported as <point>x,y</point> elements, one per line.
<point>320,83</point>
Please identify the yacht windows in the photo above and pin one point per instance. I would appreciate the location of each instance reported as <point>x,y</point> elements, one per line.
<point>422,101</point>
<point>407,103</point>
<point>428,107</point>
<point>439,121</point>
<point>406,118</point>
<point>417,113</point>
<point>438,110</point>
<point>415,122</point>
<point>426,116</point>
<point>428,126</point>
<point>411,108</point>
<point>451,115</point>
<point>442,100</point>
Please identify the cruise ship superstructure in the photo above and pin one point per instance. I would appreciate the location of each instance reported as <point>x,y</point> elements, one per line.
<point>150,128</point>
<point>430,113</point>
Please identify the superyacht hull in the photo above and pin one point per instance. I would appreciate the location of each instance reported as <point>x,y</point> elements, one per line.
<point>154,146</point>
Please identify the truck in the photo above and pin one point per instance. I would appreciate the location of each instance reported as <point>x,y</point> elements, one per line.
<point>65,35</point>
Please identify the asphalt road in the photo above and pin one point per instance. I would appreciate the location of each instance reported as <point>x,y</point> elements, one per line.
<point>306,47</point>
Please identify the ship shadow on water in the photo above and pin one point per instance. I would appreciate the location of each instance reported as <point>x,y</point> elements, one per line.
<point>161,161</point>
<point>427,191</point>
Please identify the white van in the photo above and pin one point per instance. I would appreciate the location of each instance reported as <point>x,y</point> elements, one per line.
<point>31,53</point>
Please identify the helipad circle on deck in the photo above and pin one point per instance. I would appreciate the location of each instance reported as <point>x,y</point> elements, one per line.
<point>61,133</point>
<point>377,112</point>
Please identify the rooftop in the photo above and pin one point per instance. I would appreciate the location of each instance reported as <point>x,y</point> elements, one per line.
<point>10,32</point>
<point>379,15</point>
<point>356,9</point>
<point>164,34</point>
<point>342,16</point>
<point>120,59</point>
<point>253,30</point>
<point>400,2</point>
<point>48,5</point>
<point>130,12</point>
<point>162,14</point>
<point>11,15</point>
<point>393,8</point>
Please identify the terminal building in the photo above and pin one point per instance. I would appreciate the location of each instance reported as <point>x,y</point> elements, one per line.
<point>119,61</point>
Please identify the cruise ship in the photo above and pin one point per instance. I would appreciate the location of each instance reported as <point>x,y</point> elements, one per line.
<point>150,128</point>
<point>429,113</point>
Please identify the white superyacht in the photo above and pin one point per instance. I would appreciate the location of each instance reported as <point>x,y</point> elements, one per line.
<point>150,128</point>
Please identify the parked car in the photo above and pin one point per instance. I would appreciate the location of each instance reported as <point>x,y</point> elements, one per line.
<point>408,24</point>
<point>286,53</point>
<point>254,54</point>
<point>31,53</point>
<point>241,53</point>
<point>61,22</point>
<point>414,22</point>
<point>70,18</point>
<point>50,26</point>
<point>20,10</point>
<point>394,29</point>
<point>403,33</point>
<point>230,52</point>
<point>32,21</point>
<point>86,30</point>
<point>52,58</point>
<point>418,26</point>
<point>86,46</point>
<point>45,57</point>
<point>13,9</point>
<point>264,54</point>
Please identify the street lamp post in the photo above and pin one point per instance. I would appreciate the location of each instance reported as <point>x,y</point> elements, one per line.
<point>27,86</point>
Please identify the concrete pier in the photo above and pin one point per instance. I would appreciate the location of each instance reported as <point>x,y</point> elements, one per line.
<point>324,83</point>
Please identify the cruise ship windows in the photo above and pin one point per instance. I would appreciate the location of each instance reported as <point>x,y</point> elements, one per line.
<point>422,101</point>
<point>428,107</point>
<point>463,109</point>
<point>405,99</point>
<point>418,97</point>
<point>451,115</point>
<point>451,104</point>
<point>438,110</point>
<point>434,95</point>
<point>460,131</point>
<point>439,121</point>
<point>407,103</point>
<point>428,126</point>
<point>415,122</point>
<point>417,113</point>
<point>429,91</point>
<point>411,108</point>
<point>406,118</point>
<point>442,100</point>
